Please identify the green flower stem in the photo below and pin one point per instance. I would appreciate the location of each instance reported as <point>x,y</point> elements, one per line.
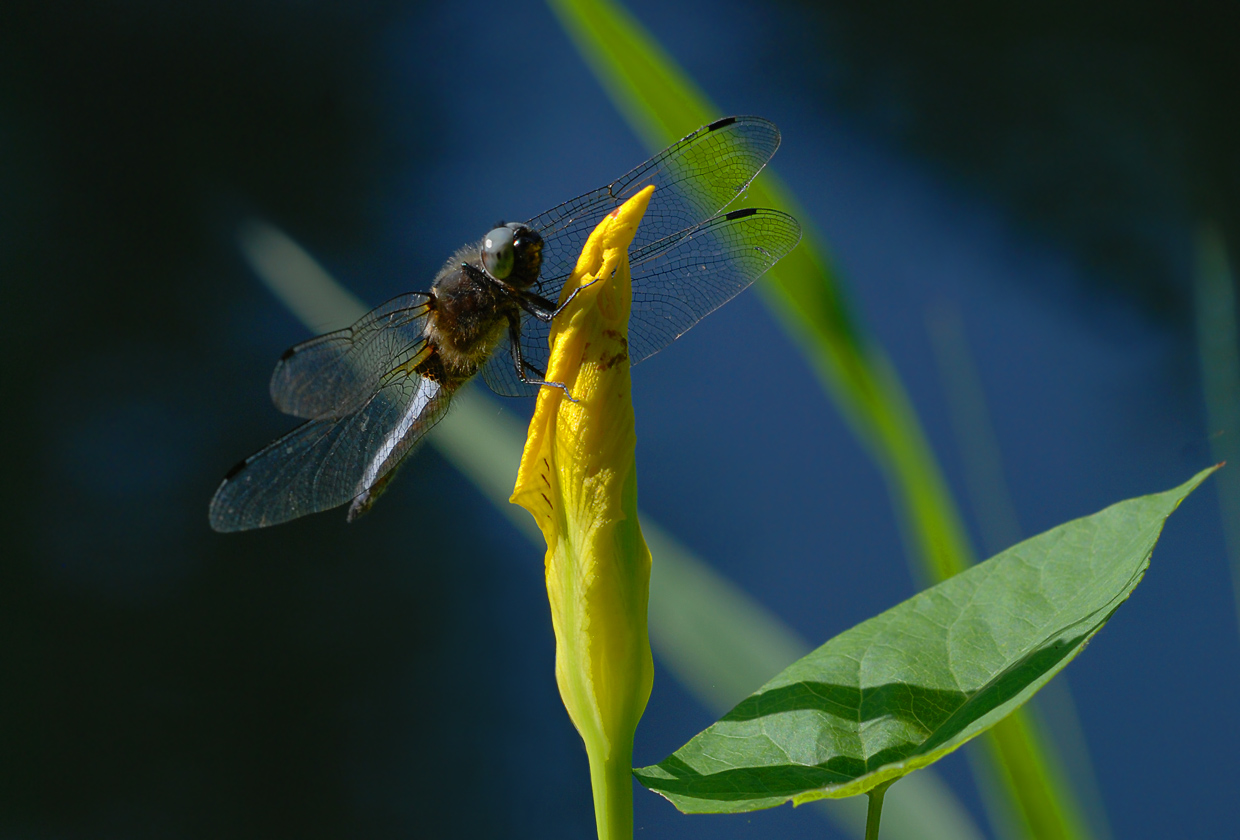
<point>612,780</point>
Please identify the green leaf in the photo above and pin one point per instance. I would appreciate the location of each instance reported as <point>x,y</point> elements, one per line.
<point>902,690</point>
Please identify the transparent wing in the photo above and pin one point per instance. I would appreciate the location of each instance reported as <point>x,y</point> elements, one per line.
<point>694,179</point>
<point>682,279</point>
<point>677,281</point>
<point>335,374</point>
<point>500,371</point>
<point>329,461</point>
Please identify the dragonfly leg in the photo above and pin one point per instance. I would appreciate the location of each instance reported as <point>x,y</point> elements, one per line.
<point>574,294</point>
<point>514,341</point>
<point>543,309</point>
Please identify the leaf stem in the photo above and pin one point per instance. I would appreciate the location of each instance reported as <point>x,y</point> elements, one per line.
<point>875,811</point>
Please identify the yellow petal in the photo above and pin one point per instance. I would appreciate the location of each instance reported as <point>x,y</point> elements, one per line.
<point>578,479</point>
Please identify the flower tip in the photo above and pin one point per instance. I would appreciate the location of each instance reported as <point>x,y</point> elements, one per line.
<point>629,215</point>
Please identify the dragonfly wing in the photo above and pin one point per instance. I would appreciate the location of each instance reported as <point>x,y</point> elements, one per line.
<point>694,179</point>
<point>677,281</point>
<point>683,278</point>
<point>333,375</point>
<point>500,372</point>
<point>328,461</point>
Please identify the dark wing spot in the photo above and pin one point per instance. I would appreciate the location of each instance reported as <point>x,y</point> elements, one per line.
<point>740,214</point>
<point>237,467</point>
<point>723,123</point>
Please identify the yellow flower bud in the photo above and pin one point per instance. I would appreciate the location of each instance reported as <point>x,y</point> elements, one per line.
<point>578,479</point>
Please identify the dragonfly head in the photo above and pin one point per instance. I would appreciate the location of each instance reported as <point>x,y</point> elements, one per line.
<point>512,253</point>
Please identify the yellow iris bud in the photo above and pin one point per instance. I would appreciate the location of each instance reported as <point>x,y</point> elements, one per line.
<point>578,478</point>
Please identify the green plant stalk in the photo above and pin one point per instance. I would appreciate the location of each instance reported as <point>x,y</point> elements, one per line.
<point>613,794</point>
<point>874,813</point>
<point>1014,754</point>
<point>663,104</point>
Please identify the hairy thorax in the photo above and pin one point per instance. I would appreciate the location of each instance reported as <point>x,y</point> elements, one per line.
<point>470,316</point>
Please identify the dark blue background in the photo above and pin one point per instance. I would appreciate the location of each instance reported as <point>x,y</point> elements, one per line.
<point>1040,172</point>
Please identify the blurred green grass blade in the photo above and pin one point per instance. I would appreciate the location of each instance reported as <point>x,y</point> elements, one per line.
<point>713,637</point>
<point>296,278</point>
<point>904,689</point>
<point>1218,347</point>
<point>981,457</point>
<point>663,104</point>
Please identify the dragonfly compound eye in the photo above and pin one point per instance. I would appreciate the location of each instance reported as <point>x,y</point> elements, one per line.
<point>497,255</point>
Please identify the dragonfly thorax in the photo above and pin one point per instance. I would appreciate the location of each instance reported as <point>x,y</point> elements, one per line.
<point>470,314</point>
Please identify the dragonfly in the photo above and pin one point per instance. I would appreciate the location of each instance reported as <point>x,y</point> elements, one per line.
<point>369,393</point>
